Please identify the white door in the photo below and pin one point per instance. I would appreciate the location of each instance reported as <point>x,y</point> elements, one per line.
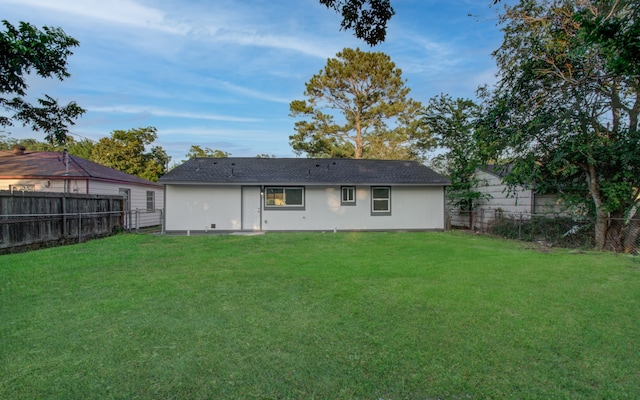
<point>251,213</point>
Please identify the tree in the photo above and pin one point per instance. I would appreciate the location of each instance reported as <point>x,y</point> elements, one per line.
<point>197,151</point>
<point>379,121</point>
<point>368,18</point>
<point>614,26</point>
<point>25,49</point>
<point>564,115</point>
<point>126,152</point>
<point>454,125</point>
<point>80,148</point>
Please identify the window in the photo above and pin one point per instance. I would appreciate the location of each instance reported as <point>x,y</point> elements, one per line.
<point>284,197</point>
<point>380,201</point>
<point>151,200</point>
<point>348,196</point>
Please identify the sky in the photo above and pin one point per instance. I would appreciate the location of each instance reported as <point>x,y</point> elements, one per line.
<point>221,73</point>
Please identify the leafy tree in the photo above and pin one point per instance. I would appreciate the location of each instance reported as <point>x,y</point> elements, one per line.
<point>126,152</point>
<point>197,151</point>
<point>454,124</point>
<point>378,120</point>
<point>614,26</point>
<point>368,18</point>
<point>25,49</point>
<point>564,114</point>
<point>82,148</point>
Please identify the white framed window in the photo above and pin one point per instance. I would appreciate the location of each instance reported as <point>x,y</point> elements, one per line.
<point>348,196</point>
<point>380,200</point>
<point>284,197</point>
<point>151,200</point>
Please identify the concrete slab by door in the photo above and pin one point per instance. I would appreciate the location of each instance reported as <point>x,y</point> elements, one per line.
<point>251,208</point>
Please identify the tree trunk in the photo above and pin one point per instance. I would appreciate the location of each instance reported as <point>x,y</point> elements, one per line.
<point>602,217</point>
<point>358,139</point>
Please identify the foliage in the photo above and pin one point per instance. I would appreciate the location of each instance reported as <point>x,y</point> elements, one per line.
<point>368,18</point>
<point>197,151</point>
<point>80,148</point>
<point>550,231</point>
<point>368,92</point>
<point>375,315</point>
<point>614,26</point>
<point>126,152</point>
<point>453,124</point>
<point>25,49</point>
<point>564,115</point>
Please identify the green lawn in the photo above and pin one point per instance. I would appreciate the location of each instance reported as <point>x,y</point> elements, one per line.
<point>318,315</point>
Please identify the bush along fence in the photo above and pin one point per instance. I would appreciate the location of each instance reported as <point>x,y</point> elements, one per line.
<point>552,230</point>
<point>32,220</point>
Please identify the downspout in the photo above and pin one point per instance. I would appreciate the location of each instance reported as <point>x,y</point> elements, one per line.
<point>163,215</point>
<point>261,203</point>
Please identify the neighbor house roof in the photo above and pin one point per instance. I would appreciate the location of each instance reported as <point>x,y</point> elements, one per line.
<point>301,171</point>
<point>51,165</point>
<point>498,170</point>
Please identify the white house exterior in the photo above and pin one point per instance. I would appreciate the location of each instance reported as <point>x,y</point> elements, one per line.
<point>40,171</point>
<point>498,200</point>
<point>295,194</point>
<point>519,200</point>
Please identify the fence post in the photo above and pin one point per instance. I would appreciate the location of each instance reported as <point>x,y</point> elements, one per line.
<point>520,228</point>
<point>79,227</point>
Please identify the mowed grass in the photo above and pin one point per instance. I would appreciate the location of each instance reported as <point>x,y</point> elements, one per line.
<point>318,315</point>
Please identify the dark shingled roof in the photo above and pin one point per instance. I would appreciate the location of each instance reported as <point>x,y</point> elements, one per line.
<point>498,170</point>
<point>302,171</point>
<point>51,165</point>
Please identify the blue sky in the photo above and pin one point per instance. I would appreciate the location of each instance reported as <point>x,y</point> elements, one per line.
<point>221,73</point>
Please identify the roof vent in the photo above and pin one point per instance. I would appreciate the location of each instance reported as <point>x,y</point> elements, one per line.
<point>18,150</point>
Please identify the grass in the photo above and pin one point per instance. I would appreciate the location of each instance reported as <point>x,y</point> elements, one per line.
<point>318,315</point>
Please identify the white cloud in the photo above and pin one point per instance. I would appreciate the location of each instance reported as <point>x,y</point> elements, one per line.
<point>231,27</point>
<point>159,112</point>
<point>249,92</point>
<point>115,11</point>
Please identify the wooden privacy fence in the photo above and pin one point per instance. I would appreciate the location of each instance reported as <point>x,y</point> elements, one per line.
<point>34,219</point>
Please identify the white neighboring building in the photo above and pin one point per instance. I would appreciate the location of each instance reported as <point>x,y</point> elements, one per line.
<point>302,194</point>
<point>41,171</point>
<point>519,202</point>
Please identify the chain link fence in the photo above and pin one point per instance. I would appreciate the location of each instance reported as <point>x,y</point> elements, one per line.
<point>551,230</point>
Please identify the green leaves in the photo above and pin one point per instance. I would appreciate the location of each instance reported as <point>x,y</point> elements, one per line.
<point>357,106</point>
<point>368,18</point>
<point>455,130</point>
<point>566,108</point>
<point>197,151</point>
<point>126,152</point>
<point>27,49</point>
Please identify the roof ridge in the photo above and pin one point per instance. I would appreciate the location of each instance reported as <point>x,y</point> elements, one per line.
<point>78,165</point>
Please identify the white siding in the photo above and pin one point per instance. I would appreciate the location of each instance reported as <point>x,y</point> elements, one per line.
<point>138,201</point>
<point>46,185</point>
<point>514,202</point>
<point>195,208</point>
<point>411,208</point>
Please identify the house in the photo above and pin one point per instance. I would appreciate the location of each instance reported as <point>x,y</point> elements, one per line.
<point>302,194</point>
<point>499,201</point>
<point>41,171</point>
<point>519,200</point>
